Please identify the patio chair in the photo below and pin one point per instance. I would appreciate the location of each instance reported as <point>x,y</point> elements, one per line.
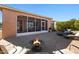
<point>9,48</point>
<point>65,34</point>
<point>50,30</point>
<point>71,49</point>
<point>76,36</point>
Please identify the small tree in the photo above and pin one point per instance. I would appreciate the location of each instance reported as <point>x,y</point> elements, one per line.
<point>66,25</point>
<point>60,26</point>
<point>72,21</point>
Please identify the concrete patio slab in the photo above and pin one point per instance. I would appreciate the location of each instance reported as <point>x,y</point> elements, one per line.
<point>51,41</point>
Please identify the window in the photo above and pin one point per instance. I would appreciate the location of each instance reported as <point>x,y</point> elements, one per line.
<point>21,24</point>
<point>31,24</point>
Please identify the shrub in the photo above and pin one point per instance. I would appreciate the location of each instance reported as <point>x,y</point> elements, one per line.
<point>60,26</point>
<point>76,24</point>
<point>72,24</point>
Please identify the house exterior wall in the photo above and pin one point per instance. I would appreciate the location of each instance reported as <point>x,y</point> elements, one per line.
<point>49,23</point>
<point>9,23</point>
<point>9,19</point>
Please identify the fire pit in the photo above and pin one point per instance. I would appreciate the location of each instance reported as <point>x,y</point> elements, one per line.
<point>36,45</point>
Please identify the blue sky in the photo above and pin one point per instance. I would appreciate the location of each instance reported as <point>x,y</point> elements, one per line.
<point>60,12</point>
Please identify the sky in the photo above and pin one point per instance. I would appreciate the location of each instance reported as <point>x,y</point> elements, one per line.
<point>59,12</point>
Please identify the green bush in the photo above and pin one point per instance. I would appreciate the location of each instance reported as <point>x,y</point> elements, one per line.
<point>71,24</point>
<point>59,26</point>
<point>76,24</point>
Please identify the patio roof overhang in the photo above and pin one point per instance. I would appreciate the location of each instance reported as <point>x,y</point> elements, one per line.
<point>21,11</point>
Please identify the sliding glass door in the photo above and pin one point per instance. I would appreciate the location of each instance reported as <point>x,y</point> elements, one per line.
<point>43,25</point>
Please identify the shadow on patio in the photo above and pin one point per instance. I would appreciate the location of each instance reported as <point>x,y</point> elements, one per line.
<point>52,42</point>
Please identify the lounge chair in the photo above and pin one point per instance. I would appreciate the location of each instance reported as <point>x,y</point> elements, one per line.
<point>65,32</point>
<point>9,48</point>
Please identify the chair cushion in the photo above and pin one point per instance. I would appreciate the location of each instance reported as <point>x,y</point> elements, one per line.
<point>63,51</point>
<point>18,50</point>
<point>12,51</point>
<point>24,50</point>
<point>66,51</point>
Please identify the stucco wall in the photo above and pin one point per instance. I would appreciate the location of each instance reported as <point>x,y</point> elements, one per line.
<point>49,23</point>
<point>9,23</point>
